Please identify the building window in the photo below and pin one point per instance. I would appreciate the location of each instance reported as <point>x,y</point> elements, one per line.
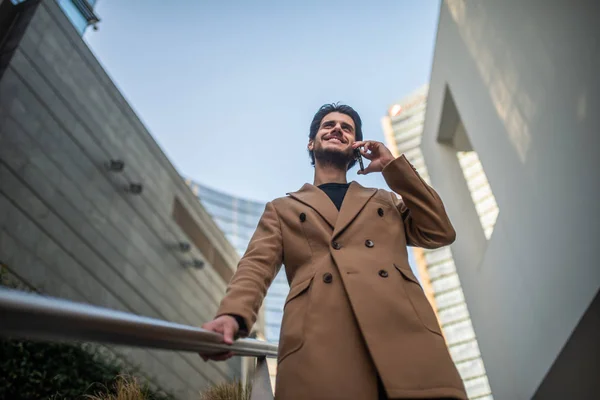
<point>76,18</point>
<point>80,13</point>
<point>480,189</point>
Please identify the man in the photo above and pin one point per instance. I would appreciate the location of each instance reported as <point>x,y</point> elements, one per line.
<point>356,323</point>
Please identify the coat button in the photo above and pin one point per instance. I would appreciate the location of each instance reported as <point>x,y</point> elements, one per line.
<point>380,212</point>
<point>383,273</point>
<point>327,277</point>
<point>336,245</point>
<point>369,243</point>
<point>302,217</point>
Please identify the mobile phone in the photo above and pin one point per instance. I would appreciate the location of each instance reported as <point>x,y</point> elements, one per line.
<point>358,157</point>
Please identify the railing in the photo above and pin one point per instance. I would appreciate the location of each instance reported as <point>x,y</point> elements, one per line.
<point>32,316</point>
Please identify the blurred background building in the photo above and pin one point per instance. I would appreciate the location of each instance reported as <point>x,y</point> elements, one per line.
<point>403,129</point>
<point>91,209</point>
<point>237,217</point>
<point>514,91</point>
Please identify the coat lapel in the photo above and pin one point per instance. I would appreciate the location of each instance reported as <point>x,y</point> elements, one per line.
<point>354,201</point>
<point>356,198</point>
<point>315,198</point>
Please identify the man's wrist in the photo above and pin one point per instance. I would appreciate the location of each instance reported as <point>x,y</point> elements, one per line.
<point>387,162</point>
<point>242,328</point>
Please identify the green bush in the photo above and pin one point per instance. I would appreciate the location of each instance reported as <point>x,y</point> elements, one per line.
<point>34,370</point>
<point>56,371</point>
<point>31,370</point>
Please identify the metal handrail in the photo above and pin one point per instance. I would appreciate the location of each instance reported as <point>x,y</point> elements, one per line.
<point>32,316</point>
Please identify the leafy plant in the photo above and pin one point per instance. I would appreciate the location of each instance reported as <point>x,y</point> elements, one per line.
<point>58,371</point>
<point>33,370</point>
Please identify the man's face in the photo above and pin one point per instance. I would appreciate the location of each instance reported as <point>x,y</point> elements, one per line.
<point>333,143</point>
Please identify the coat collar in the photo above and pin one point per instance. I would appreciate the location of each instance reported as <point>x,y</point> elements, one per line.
<point>354,201</point>
<point>318,200</point>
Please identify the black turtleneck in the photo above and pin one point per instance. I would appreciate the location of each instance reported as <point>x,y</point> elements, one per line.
<point>336,192</point>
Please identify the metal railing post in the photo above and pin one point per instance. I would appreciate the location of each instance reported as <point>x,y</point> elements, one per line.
<point>261,382</point>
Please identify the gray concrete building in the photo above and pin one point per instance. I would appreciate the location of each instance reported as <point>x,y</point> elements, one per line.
<point>129,235</point>
<point>515,91</point>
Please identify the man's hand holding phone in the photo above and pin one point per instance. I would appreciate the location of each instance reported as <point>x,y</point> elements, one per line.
<point>228,327</point>
<point>376,152</point>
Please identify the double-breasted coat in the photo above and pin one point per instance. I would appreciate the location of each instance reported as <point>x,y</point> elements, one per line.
<point>355,310</point>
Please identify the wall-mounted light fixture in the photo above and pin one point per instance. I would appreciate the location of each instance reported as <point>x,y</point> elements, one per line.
<point>135,188</point>
<point>195,263</point>
<point>115,165</point>
<point>184,247</point>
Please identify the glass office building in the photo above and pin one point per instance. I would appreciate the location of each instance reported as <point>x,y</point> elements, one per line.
<point>238,217</point>
<point>403,129</point>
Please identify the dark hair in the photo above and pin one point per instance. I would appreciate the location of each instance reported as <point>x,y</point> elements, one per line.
<point>328,109</point>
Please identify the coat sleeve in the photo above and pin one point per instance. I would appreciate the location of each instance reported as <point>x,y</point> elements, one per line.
<point>255,272</point>
<point>426,223</point>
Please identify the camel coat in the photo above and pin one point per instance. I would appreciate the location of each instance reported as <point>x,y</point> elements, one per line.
<point>355,309</point>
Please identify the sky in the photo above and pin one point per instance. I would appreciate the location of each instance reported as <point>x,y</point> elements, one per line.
<point>228,89</point>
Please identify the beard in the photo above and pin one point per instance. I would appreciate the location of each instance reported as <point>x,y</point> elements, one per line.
<point>334,158</point>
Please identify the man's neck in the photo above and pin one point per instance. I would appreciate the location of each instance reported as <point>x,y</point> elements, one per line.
<point>329,174</point>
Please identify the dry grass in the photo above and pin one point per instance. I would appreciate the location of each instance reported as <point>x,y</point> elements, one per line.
<point>227,391</point>
<point>125,388</point>
<point>129,388</point>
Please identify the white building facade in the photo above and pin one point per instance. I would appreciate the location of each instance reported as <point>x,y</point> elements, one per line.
<point>514,92</point>
<point>403,129</point>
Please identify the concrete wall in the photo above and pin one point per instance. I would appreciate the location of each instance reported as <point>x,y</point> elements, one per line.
<point>67,226</point>
<point>522,79</point>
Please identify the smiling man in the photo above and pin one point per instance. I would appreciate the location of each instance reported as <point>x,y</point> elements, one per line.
<point>356,323</point>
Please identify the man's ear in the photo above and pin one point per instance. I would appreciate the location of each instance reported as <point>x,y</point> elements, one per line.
<point>311,145</point>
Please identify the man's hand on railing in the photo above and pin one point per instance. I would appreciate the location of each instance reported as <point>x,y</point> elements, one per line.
<point>228,327</point>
